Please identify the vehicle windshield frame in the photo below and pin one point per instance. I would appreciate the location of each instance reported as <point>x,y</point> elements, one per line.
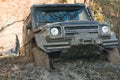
<point>47,13</point>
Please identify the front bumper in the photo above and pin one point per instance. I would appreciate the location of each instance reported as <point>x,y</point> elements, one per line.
<point>66,43</point>
<point>58,46</point>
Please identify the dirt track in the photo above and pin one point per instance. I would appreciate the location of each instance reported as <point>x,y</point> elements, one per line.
<point>65,69</point>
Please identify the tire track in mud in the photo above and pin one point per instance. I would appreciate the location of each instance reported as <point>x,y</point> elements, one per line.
<point>94,67</point>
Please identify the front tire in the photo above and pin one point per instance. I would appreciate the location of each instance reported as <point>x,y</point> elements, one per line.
<point>28,45</point>
<point>31,52</point>
<point>113,55</point>
<point>41,58</point>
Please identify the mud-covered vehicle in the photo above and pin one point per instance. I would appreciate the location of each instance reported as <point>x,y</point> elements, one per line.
<point>52,29</point>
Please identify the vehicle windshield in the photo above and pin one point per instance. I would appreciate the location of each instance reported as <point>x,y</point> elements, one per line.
<point>45,16</point>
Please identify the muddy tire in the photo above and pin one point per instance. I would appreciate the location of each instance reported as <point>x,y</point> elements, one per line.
<point>41,58</point>
<point>31,52</point>
<point>113,55</point>
<point>28,45</point>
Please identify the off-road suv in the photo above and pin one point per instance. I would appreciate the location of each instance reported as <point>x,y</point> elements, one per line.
<point>57,28</point>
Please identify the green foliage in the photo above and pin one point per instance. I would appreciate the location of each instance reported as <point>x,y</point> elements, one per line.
<point>97,12</point>
<point>99,18</point>
<point>111,10</point>
<point>63,1</point>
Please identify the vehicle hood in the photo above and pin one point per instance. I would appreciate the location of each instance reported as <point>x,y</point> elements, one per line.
<point>67,23</point>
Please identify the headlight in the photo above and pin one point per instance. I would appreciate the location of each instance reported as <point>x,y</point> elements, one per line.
<point>54,31</point>
<point>105,29</point>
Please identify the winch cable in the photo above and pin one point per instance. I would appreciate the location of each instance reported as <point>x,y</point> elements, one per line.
<point>104,48</point>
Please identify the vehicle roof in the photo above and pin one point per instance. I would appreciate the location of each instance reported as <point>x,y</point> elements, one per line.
<point>59,5</point>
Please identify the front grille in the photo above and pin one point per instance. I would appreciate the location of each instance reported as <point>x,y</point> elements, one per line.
<point>71,30</point>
